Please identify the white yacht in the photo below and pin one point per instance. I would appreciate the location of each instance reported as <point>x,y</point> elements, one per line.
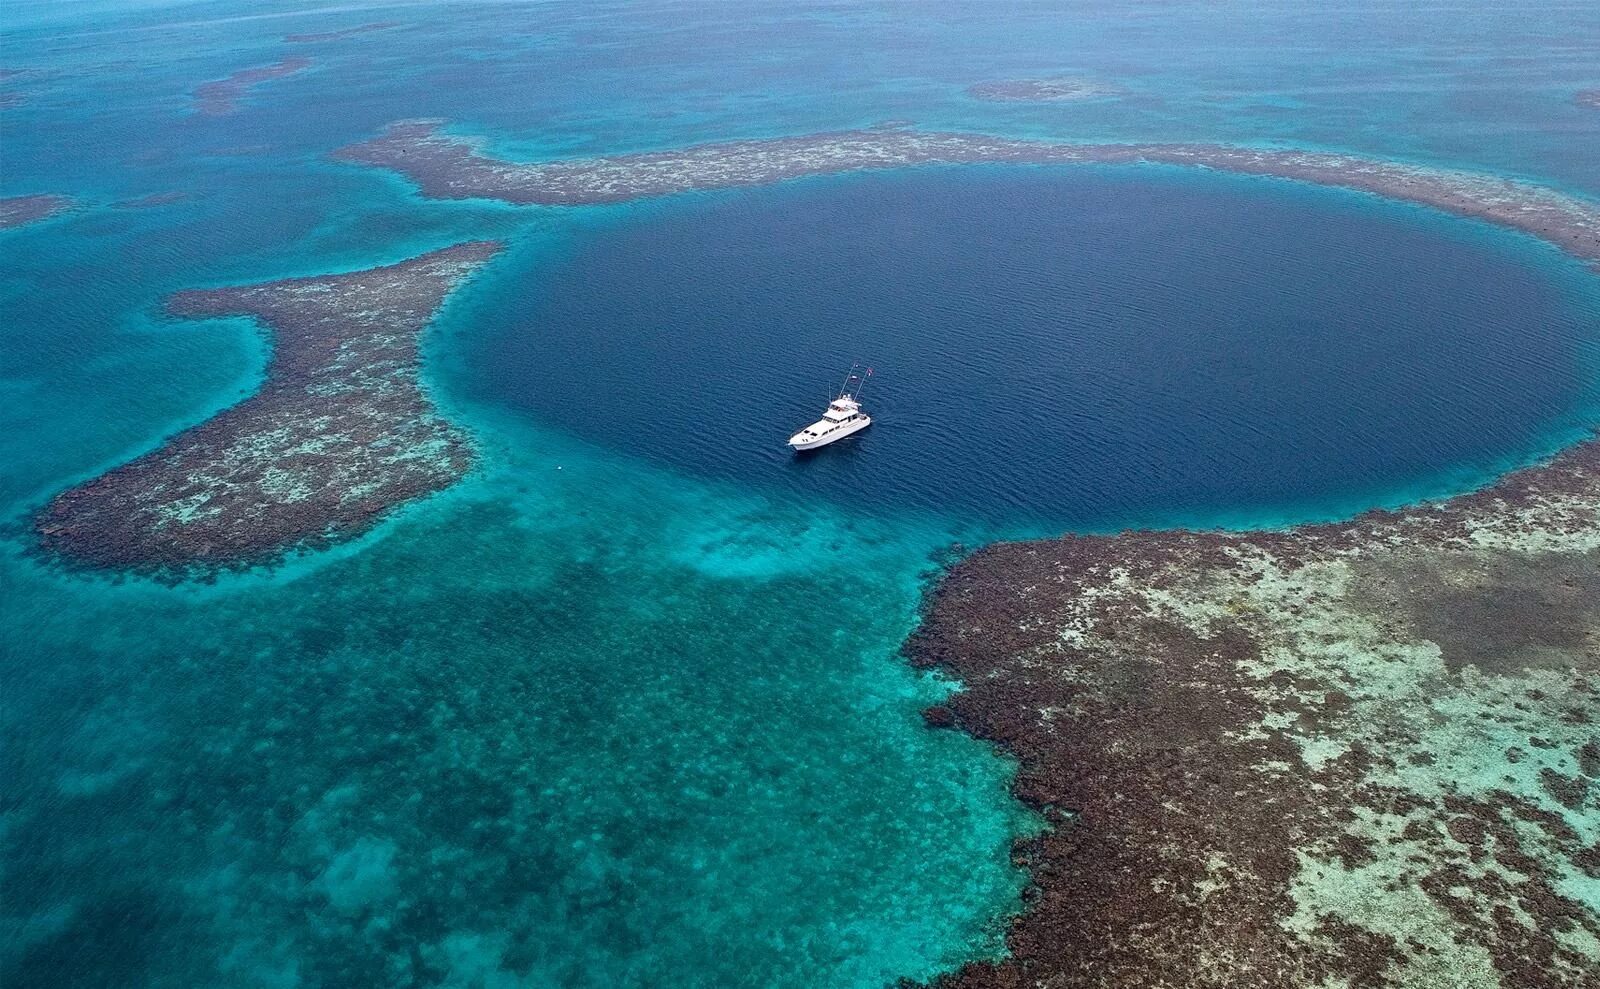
<point>843,416</point>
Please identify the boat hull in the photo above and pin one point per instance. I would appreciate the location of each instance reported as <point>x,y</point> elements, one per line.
<point>848,429</point>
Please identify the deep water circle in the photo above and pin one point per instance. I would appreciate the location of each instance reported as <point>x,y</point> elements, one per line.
<point>1066,347</point>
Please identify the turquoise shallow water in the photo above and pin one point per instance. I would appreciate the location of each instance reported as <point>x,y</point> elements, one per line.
<point>636,721</point>
<point>584,728</point>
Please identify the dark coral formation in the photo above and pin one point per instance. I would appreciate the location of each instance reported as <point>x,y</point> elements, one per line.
<point>220,97</point>
<point>16,211</point>
<point>1279,759</point>
<point>1055,89</point>
<point>339,434</point>
<point>448,167</point>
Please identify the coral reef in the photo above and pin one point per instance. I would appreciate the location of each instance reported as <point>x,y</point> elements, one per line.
<point>339,433</point>
<point>16,211</point>
<point>1358,754</point>
<point>220,97</point>
<point>452,168</point>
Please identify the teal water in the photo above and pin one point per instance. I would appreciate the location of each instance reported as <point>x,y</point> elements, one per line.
<point>639,720</point>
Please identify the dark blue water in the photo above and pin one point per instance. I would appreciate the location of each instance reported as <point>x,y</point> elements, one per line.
<point>1067,348</point>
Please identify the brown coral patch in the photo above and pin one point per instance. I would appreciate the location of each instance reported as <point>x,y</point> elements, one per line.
<point>221,97</point>
<point>17,211</point>
<point>1167,692</point>
<point>339,434</point>
<point>1501,613</point>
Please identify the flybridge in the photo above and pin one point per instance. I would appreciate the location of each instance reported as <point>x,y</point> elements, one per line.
<point>842,417</point>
